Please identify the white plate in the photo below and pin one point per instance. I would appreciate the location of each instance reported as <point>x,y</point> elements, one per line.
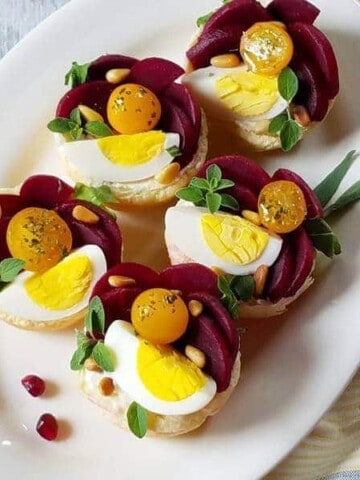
<point>294,367</point>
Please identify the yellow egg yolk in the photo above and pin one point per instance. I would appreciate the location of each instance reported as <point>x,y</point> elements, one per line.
<point>132,150</point>
<point>233,239</point>
<point>63,286</point>
<point>166,373</point>
<point>246,93</point>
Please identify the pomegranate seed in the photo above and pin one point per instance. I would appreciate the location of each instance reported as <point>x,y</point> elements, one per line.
<point>34,385</point>
<point>47,426</point>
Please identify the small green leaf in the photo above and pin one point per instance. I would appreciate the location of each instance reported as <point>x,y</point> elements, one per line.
<point>76,133</point>
<point>204,19</point>
<point>77,74</point>
<point>328,187</point>
<point>213,172</point>
<point>80,355</point>
<point>75,116</point>
<point>213,201</point>
<point>199,183</point>
<point>174,151</point>
<point>10,268</point>
<point>98,196</point>
<point>61,125</point>
<point>222,184</point>
<point>277,123</point>
<point>98,129</point>
<point>289,135</point>
<point>190,194</point>
<point>95,316</point>
<point>228,201</point>
<point>228,299</point>
<point>288,84</point>
<point>81,338</point>
<point>103,357</point>
<point>351,195</point>
<point>243,287</point>
<point>322,236</point>
<point>137,418</point>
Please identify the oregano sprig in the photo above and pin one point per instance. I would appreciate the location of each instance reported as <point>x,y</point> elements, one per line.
<point>99,196</point>
<point>77,74</point>
<point>235,289</point>
<point>208,192</point>
<point>137,418</point>
<point>9,270</point>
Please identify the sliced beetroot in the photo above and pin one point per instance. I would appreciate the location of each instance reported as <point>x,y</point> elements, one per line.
<point>181,97</point>
<point>11,204</point>
<point>117,304</point>
<point>314,46</point>
<point>4,251</point>
<point>313,205</point>
<point>240,170</point>
<point>215,309</point>
<point>145,277</point>
<point>246,198</point>
<point>92,94</point>
<point>45,191</point>
<point>103,64</point>
<point>304,253</point>
<point>104,234</point>
<point>190,278</point>
<point>281,274</point>
<point>289,11</point>
<point>155,73</point>
<point>205,334</point>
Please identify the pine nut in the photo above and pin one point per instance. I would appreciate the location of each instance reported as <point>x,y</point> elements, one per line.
<point>120,281</point>
<point>301,115</point>
<point>90,115</point>
<point>168,173</point>
<point>260,277</point>
<point>106,386</point>
<point>117,75</point>
<point>196,308</point>
<point>91,365</point>
<point>195,355</point>
<point>253,217</point>
<point>227,60</point>
<point>85,215</point>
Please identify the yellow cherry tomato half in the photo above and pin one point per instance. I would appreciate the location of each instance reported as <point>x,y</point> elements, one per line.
<point>159,316</point>
<point>281,206</point>
<point>266,48</point>
<point>39,237</point>
<point>133,108</point>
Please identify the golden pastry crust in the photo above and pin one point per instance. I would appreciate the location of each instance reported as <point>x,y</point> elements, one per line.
<point>115,407</point>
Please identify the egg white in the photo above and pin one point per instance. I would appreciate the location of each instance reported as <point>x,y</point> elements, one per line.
<point>202,83</point>
<point>85,156</point>
<point>15,301</point>
<point>183,230</point>
<point>123,342</point>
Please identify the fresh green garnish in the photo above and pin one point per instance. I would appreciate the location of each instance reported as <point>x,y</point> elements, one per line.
<point>77,74</point>
<point>235,289</point>
<point>322,236</point>
<point>84,349</point>
<point>284,125</point>
<point>204,19</point>
<point>350,196</point>
<point>137,418</point>
<point>95,317</point>
<point>207,192</point>
<point>103,357</point>
<point>98,196</point>
<point>174,151</point>
<point>98,129</point>
<point>9,270</point>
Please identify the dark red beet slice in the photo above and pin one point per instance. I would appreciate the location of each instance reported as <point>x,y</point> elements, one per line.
<point>246,198</point>
<point>205,334</point>
<point>93,94</point>
<point>304,253</point>
<point>103,64</point>
<point>105,233</point>
<point>281,273</point>
<point>11,204</point>
<point>215,309</point>
<point>314,208</point>
<point>4,251</point>
<point>117,304</point>
<point>181,96</point>
<point>312,91</point>
<point>155,73</point>
<point>240,170</point>
<point>145,277</point>
<point>289,11</point>
<point>190,278</point>
<point>45,191</point>
<point>314,46</point>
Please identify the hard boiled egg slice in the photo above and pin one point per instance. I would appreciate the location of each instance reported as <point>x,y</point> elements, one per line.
<point>220,240</point>
<point>60,292</point>
<point>159,378</point>
<point>236,93</point>
<point>121,158</point>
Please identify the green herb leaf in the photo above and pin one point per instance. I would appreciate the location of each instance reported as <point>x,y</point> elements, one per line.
<point>228,201</point>
<point>103,357</point>
<point>95,316</point>
<point>190,194</point>
<point>323,238</point>
<point>137,418</point>
<point>213,201</point>
<point>98,129</point>
<point>327,188</point>
<point>222,184</point>
<point>351,195</point>
<point>10,268</point>
<point>200,183</point>
<point>289,135</point>
<point>61,125</point>
<point>81,338</point>
<point>243,286</point>
<point>228,299</point>
<point>75,116</point>
<point>288,84</point>
<point>277,123</point>
<point>204,19</point>
<point>213,172</point>
<point>98,196</point>
<point>77,132</point>
<point>83,352</point>
<point>174,151</point>
<point>77,74</point>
